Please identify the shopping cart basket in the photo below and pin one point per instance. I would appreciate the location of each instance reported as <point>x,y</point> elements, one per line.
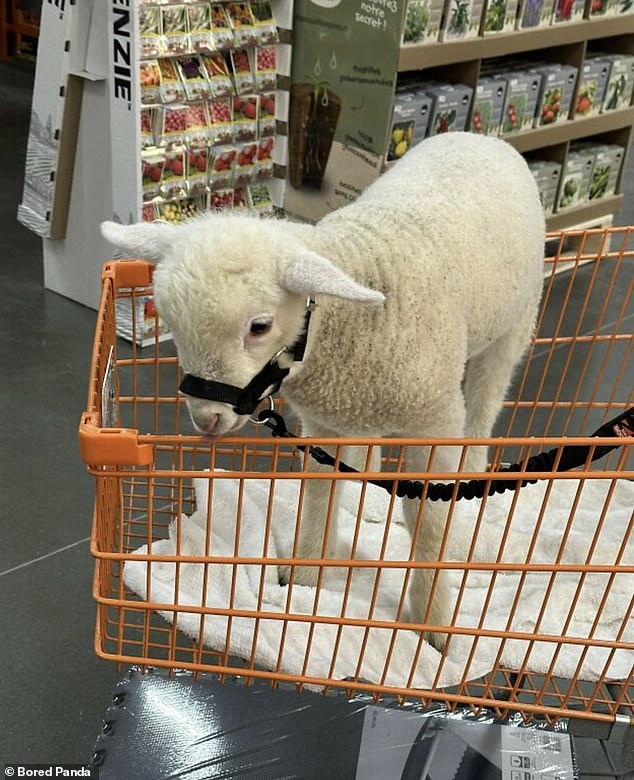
<point>189,536</point>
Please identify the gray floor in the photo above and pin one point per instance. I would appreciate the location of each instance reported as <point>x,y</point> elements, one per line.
<point>55,690</point>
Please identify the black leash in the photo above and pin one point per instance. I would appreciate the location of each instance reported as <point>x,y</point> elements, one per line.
<point>559,459</point>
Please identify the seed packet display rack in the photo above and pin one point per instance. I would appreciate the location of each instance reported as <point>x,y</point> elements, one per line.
<point>160,490</point>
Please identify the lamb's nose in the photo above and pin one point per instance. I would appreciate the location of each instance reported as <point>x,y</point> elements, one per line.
<point>207,424</point>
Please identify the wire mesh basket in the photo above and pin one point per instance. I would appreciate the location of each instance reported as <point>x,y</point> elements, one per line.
<point>195,543</point>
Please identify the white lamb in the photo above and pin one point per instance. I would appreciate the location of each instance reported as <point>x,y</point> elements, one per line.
<point>427,289</point>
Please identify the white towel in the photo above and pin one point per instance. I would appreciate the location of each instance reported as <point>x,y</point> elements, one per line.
<point>334,652</point>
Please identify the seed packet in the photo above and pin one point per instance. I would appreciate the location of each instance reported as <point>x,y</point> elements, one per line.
<point>593,80</point>
<point>151,43</point>
<point>221,30</point>
<point>197,124</point>
<point>197,161</point>
<point>534,13</point>
<point>555,100</point>
<point>499,16</point>
<point>267,114</point>
<point>172,89</point>
<point>173,184</point>
<point>192,207</point>
<point>602,8</point>
<point>568,10</point>
<point>221,166</point>
<point>618,92</point>
<point>193,77</point>
<point>260,198</point>
<point>242,71</point>
<point>217,70</point>
<point>199,25</point>
<point>170,211</point>
<point>244,171</point>
<point>576,178</point>
<point>240,199</point>
<point>150,80</point>
<point>245,117</point>
<point>265,68</point>
<point>149,212</point>
<point>265,26</point>
<point>242,24</point>
<point>147,128</point>
<point>220,121</point>
<point>173,125</point>
<point>221,200</point>
<point>152,164</point>
<point>462,19</point>
<point>264,157</point>
<point>174,20</point>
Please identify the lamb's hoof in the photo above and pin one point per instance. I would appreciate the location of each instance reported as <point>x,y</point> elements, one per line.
<point>302,575</point>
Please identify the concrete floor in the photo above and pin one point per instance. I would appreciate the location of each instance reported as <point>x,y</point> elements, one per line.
<point>55,691</point>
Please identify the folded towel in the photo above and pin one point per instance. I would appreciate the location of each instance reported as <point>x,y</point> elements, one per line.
<point>547,522</point>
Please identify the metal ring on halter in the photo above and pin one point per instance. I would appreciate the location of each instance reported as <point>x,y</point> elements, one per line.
<point>268,398</point>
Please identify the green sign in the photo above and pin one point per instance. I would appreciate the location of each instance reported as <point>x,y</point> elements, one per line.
<point>345,54</point>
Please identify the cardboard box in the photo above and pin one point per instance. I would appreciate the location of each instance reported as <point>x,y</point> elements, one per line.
<point>451,107</point>
<point>609,160</point>
<point>593,81</point>
<point>557,91</point>
<point>577,177</point>
<point>522,95</point>
<point>423,19</point>
<point>618,92</point>
<point>547,174</point>
<point>488,105</point>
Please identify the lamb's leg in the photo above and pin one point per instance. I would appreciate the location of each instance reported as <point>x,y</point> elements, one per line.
<point>319,495</point>
<point>487,379</point>
<point>430,589</point>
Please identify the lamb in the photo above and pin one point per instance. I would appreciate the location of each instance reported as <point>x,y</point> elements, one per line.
<point>426,288</point>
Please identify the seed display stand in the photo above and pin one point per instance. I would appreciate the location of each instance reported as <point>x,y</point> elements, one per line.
<point>90,104</point>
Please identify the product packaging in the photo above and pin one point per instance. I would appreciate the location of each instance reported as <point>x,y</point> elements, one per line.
<point>221,200</point>
<point>199,21</point>
<point>568,10</point>
<point>547,175</point>
<point>259,198</point>
<point>173,183</point>
<point>618,92</point>
<point>151,43</point>
<point>221,166</point>
<point>220,120</point>
<point>174,27</point>
<point>220,27</point>
<point>603,7</point>
<point>245,117</point>
<point>265,28</point>
<point>197,124</point>
<point>265,68</point>
<point>147,128</point>
<point>193,77</point>
<point>150,81</point>
<point>245,163</point>
<point>197,160</point>
<point>488,105</point>
<point>215,65</point>
<point>423,20</point>
<point>534,13</point>
<point>499,16</point>
<point>556,93</point>
<point>242,70</point>
<point>462,19</point>
<point>152,163</point>
<point>266,122</point>
<point>173,125</point>
<point>522,94</point>
<point>576,178</point>
<point>172,88</point>
<point>593,81</point>
<point>451,107</point>
<point>411,115</point>
<point>242,23</point>
<point>607,167</point>
<point>264,158</point>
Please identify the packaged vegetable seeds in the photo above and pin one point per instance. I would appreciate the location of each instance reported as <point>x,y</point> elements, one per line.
<point>265,68</point>
<point>172,88</point>
<point>193,77</point>
<point>174,27</point>
<point>422,21</point>
<point>150,81</point>
<point>220,27</point>
<point>265,27</point>
<point>242,69</point>
<point>199,25</point>
<point>217,71</point>
<point>242,23</point>
<point>151,43</point>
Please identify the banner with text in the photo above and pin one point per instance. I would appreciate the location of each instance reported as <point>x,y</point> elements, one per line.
<point>345,55</point>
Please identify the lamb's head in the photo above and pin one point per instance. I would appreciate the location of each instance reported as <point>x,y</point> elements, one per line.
<point>232,289</point>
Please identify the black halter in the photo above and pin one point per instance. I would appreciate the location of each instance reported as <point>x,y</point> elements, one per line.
<point>246,400</point>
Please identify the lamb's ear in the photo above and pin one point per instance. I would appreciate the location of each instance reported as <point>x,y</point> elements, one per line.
<point>149,240</point>
<point>311,274</point>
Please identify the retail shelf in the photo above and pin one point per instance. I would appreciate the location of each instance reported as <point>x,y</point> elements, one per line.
<point>429,55</point>
<point>589,212</point>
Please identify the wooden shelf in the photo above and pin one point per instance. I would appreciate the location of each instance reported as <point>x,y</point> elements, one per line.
<point>429,55</point>
<point>586,213</point>
<point>571,130</point>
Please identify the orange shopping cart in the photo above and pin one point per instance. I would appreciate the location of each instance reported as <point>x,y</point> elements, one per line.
<point>189,536</point>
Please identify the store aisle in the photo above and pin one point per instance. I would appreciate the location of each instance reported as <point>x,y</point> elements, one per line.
<point>55,691</point>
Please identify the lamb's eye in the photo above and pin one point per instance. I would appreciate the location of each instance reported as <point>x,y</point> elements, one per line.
<point>259,327</point>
